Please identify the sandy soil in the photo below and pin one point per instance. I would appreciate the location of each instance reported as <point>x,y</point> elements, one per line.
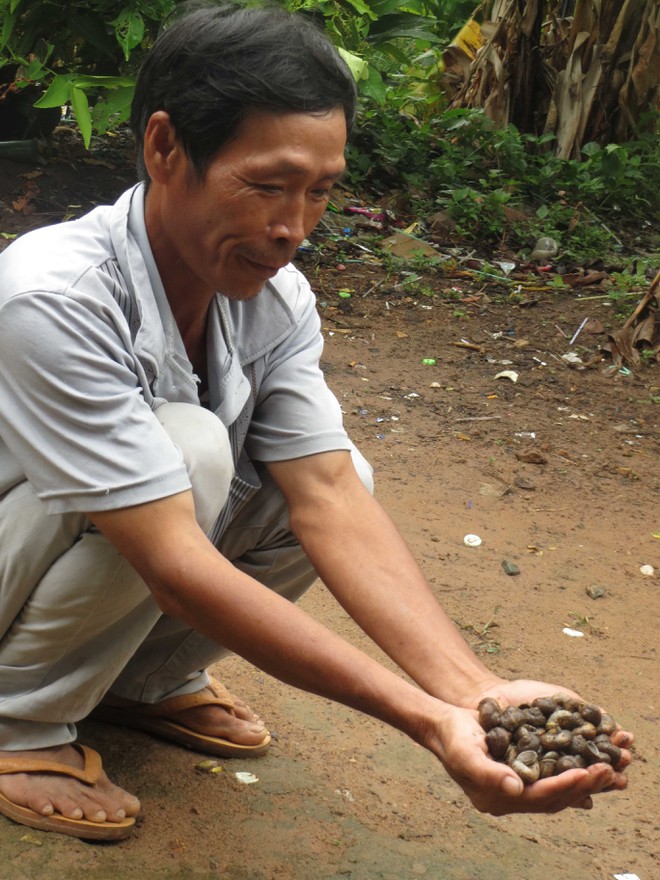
<point>340,795</point>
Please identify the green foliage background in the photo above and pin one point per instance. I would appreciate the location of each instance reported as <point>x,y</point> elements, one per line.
<point>86,54</point>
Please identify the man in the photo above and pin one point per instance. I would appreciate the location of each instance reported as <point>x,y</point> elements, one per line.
<point>174,468</point>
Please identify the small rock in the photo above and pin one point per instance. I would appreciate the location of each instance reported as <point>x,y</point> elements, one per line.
<point>531,457</point>
<point>595,592</point>
<point>510,568</point>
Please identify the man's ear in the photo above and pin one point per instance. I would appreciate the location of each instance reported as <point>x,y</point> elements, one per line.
<point>162,150</point>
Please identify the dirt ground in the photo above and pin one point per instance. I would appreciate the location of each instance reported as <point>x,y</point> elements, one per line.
<point>557,473</point>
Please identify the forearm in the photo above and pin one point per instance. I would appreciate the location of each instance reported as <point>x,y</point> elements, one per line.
<point>364,561</point>
<point>194,583</point>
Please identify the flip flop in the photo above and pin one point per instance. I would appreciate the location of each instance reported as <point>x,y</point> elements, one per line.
<point>159,719</point>
<point>75,827</point>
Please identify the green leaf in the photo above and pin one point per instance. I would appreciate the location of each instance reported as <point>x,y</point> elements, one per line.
<point>129,30</point>
<point>542,212</point>
<point>13,6</point>
<point>386,7</point>
<point>58,92</point>
<point>373,87</point>
<point>80,106</point>
<point>403,24</point>
<point>362,8</point>
<point>591,149</point>
<point>7,28</point>
<point>358,66</point>
<point>112,109</point>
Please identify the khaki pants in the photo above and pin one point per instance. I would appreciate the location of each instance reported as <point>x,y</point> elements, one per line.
<point>77,621</point>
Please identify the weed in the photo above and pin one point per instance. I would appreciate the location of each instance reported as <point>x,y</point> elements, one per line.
<point>486,643</point>
<point>579,620</point>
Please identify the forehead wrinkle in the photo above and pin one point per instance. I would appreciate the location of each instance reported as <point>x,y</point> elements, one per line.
<point>287,166</point>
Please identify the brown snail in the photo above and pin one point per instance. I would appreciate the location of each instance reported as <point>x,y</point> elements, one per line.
<point>550,736</point>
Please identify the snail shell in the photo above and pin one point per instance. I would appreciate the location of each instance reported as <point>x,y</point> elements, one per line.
<point>498,740</point>
<point>548,764</point>
<point>512,717</point>
<point>546,704</point>
<point>592,754</point>
<point>529,742</point>
<point>523,730</point>
<point>565,701</point>
<point>569,762</point>
<point>608,748</point>
<point>607,724</point>
<point>534,716</point>
<point>579,746</point>
<point>591,714</point>
<point>565,720</point>
<point>559,741</point>
<point>527,766</point>
<point>489,713</point>
<point>587,730</point>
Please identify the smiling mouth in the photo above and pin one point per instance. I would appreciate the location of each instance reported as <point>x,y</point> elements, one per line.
<point>263,268</point>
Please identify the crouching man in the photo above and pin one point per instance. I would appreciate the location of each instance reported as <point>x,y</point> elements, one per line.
<point>174,472</point>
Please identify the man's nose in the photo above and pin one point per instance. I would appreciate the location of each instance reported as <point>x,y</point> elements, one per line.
<point>291,223</point>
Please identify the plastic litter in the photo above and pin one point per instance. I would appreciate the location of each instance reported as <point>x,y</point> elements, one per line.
<point>573,359</point>
<point>472,540</point>
<point>625,877</point>
<point>544,249</point>
<point>247,778</point>
<point>578,331</point>
<point>508,374</point>
<point>574,633</point>
<point>429,362</point>
<point>369,213</point>
<point>647,570</point>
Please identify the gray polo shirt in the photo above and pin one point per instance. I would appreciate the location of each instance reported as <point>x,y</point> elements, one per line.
<point>89,348</point>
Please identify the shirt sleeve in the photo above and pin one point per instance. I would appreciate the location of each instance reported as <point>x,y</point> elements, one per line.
<point>296,413</point>
<point>73,412</point>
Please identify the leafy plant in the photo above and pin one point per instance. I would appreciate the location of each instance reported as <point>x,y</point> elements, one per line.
<point>84,53</point>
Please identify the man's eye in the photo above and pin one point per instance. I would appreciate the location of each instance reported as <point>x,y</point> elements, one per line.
<point>269,188</point>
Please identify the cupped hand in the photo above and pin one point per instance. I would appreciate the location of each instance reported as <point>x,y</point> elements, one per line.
<point>458,740</point>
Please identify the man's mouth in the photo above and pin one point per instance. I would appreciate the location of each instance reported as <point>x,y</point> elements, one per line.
<point>268,270</point>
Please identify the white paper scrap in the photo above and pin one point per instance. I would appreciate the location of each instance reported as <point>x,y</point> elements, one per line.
<point>575,633</point>
<point>625,877</point>
<point>247,778</point>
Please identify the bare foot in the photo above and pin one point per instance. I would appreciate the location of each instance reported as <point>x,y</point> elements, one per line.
<point>48,793</point>
<point>245,728</point>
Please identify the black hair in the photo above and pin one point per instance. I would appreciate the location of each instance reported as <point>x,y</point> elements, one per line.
<point>213,65</point>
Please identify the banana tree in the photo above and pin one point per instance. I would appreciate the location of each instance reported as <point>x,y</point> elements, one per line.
<point>582,70</point>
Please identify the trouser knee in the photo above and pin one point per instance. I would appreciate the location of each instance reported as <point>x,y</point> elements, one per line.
<point>204,444</point>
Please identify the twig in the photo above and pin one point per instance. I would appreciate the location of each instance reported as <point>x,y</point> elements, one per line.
<point>478,419</point>
<point>471,345</point>
<point>643,302</point>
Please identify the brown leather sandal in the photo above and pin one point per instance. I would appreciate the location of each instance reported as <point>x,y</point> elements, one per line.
<point>81,828</point>
<point>160,720</point>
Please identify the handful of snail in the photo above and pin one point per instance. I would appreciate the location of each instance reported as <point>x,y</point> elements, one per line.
<point>549,736</point>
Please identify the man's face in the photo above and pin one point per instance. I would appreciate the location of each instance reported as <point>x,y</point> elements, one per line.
<point>262,194</point>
